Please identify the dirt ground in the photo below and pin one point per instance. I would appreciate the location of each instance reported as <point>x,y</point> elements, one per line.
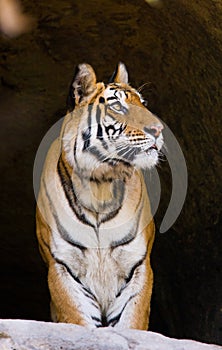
<point>177,49</point>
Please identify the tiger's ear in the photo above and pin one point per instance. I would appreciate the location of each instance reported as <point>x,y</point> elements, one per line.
<point>120,74</point>
<point>82,86</point>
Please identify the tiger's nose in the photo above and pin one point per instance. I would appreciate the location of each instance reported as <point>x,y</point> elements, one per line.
<point>154,130</point>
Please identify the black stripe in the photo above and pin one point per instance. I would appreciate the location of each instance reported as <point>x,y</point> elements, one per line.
<point>99,128</point>
<point>108,128</point>
<point>98,321</point>
<point>62,231</point>
<point>114,320</point>
<point>99,132</point>
<point>74,151</point>
<point>65,235</point>
<point>114,161</point>
<point>104,320</point>
<point>121,129</point>
<point>101,157</point>
<point>94,318</point>
<point>111,98</point>
<point>69,240</point>
<point>67,185</point>
<point>110,216</point>
<point>131,235</point>
<point>98,116</point>
<point>60,262</point>
<point>125,240</point>
<point>91,296</point>
<point>103,179</point>
<point>126,94</point>
<point>90,107</point>
<point>131,273</point>
<point>85,290</point>
<point>87,134</point>
<point>138,263</point>
<point>118,195</point>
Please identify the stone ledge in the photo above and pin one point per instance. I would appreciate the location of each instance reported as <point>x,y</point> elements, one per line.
<point>34,335</point>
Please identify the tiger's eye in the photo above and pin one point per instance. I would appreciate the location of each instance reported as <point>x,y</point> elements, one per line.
<point>117,106</point>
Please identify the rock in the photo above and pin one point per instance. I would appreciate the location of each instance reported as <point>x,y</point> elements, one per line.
<point>34,335</point>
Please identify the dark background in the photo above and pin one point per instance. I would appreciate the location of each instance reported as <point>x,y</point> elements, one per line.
<point>177,49</point>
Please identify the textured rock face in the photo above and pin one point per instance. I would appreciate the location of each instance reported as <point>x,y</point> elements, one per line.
<point>32,335</point>
<point>177,46</point>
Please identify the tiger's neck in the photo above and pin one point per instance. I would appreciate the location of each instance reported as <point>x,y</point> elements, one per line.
<point>99,192</point>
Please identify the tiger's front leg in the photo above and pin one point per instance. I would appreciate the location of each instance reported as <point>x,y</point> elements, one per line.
<point>131,308</point>
<point>71,302</point>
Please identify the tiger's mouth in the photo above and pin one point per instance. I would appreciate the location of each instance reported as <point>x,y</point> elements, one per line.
<point>153,150</point>
<point>154,146</point>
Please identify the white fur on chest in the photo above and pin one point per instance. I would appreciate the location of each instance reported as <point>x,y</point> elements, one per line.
<point>103,271</point>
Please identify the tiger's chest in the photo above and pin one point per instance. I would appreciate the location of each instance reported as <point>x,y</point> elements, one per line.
<point>100,250</point>
<point>103,271</point>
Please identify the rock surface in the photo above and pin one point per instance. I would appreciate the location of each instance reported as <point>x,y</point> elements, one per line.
<point>33,335</point>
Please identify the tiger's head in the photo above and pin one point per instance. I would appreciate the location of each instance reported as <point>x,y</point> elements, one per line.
<point>109,123</point>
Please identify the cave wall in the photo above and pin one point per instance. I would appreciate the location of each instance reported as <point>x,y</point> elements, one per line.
<point>176,47</point>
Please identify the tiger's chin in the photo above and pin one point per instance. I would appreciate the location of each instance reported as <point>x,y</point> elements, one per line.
<point>146,160</point>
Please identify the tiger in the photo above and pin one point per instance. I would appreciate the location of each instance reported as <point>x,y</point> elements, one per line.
<point>93,219</point>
